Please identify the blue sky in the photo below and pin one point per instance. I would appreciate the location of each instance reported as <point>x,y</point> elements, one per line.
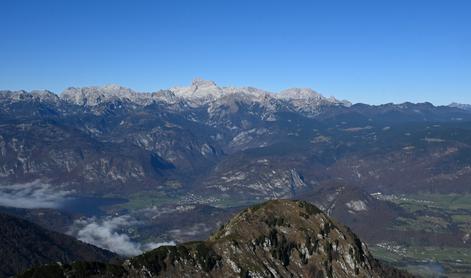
<point>364,51</point>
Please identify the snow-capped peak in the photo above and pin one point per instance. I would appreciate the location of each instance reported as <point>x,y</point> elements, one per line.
<point>199,89</point>
<point>201,92</point>
<point>202,83</point>
<point>96,94</point>
<point>41,95</point>
<point>299,93</point>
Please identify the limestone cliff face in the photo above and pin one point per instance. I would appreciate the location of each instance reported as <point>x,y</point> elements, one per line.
<point>275,239</point>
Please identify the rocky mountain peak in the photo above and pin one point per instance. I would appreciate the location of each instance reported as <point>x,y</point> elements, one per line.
<point>22,95</point>
<point>112,89</point>
<point>279,238</point>
<point>306,99</point>
<point>201,92</point>
<point>201,83</point>
<point>94,95</point>
<point>299,93</point>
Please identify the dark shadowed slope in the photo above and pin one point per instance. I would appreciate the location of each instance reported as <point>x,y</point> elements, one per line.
<point>24,244</point>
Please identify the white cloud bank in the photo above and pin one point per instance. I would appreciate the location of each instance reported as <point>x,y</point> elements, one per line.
<point>33,195</point>
<point>108,234</point>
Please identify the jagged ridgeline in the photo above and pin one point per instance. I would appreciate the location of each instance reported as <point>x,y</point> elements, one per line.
<point>279,238</point>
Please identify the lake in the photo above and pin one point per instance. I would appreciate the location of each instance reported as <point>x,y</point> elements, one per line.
<point>90,206</point>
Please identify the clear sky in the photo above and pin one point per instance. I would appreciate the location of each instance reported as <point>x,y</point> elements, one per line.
<point>365,51</point>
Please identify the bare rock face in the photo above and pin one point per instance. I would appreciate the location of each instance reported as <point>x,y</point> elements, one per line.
<point>279,238</point>
<point>93,96</point>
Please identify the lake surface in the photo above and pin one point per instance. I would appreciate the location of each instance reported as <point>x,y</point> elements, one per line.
<point>90,206</point>
<point>428,269</point>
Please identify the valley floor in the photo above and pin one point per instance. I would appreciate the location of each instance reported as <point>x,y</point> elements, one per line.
<point>443,214</point>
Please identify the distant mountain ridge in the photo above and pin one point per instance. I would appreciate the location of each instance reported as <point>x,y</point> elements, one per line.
<point>200,91</point>
<point>461,106</point>
<point>112,136</point>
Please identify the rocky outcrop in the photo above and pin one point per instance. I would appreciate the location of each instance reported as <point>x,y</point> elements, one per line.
<point>275,239</point>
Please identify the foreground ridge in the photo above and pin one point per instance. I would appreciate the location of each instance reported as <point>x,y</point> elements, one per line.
<point>24,244</point>
<point>279,238</point>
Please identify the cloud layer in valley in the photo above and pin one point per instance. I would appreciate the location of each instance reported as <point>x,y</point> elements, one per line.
<point>109,233</point>
<point>33,195</point>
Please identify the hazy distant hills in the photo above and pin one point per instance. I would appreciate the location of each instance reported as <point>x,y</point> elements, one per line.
<point>461,106</point>
<point>275,239</point>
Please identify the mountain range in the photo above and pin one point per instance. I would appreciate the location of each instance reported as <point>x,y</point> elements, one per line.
<point>104,138</point>
<point>182,161</point>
